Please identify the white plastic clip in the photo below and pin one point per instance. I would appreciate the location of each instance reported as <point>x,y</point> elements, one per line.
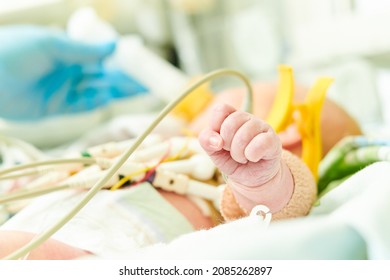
<point>263,212</point>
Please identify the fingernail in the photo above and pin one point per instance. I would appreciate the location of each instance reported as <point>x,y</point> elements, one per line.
<point>215,142</point>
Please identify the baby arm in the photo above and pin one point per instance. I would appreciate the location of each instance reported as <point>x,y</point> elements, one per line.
<point>249,152</point>
<point>52,249</point>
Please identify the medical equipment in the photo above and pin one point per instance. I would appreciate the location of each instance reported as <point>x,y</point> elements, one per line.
<point>113,149</point>
<point>106,178</point>
<point>198,166</point>
<point>181,184</point>
<point>348,156</point>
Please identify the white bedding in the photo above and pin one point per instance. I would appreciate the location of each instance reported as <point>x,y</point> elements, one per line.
<point>351,222</point>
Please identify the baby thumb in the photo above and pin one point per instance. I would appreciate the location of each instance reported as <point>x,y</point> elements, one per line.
<point>210,141</point>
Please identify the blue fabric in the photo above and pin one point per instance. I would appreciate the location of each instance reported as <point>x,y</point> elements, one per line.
<point>44,73</point>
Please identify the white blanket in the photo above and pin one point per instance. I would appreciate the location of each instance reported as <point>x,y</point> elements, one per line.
<point>351,222</point>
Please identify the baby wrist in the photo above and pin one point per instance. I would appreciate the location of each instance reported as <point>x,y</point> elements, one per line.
<point>275,193</point>
<point>303,196</point>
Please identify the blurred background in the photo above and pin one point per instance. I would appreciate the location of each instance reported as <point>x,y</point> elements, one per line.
<point>345,39</point>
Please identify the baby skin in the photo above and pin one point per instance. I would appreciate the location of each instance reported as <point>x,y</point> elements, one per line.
<point>243,147</point>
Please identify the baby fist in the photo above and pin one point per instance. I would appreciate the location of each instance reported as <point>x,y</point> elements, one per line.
<point>242,146</point>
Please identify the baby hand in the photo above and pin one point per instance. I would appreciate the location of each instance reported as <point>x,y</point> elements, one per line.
<point>248,151</point>
<point>242,146</point>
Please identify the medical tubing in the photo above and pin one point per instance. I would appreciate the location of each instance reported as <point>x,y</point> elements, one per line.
<point>26,194</point>
<point>18,175</point>
<point>83,160</point>
<point>29,149</point>
<point>45,235</point>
